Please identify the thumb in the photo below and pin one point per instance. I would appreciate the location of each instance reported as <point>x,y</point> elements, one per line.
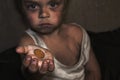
<point>22,49</point>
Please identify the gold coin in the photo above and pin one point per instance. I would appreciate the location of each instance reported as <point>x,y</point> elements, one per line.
<point>39,53</point>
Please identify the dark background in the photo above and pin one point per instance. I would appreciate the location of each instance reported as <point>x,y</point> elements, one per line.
<point>93,15</point>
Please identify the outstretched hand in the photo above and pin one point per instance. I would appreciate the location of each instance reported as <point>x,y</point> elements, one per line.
<point>32,62</point>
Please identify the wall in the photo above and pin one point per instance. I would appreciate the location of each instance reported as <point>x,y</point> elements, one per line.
<point>93,15</point>
<point>11,26</point>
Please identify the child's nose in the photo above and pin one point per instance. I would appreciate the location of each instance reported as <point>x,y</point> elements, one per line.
<point>44,13</point>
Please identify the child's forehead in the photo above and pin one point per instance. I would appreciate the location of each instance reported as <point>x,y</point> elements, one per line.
<point>43,0</point>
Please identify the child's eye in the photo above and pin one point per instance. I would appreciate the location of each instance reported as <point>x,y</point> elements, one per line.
<point>53,5</point>
<point>32,6</point>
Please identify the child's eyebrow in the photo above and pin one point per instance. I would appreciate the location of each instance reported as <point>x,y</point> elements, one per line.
<point>31,1</point>
<point>55,0</point>
<point>58,1</point>
<point>37,1</point>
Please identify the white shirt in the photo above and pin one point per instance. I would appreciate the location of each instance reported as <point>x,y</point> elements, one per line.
<point>61,71</point>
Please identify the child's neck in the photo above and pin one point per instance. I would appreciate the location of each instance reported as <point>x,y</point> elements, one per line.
<point>54,34</point>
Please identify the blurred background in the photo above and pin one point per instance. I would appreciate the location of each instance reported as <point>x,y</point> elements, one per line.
<point>93,15</point>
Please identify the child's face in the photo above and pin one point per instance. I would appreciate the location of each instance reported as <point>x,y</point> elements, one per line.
<point>44,16</point>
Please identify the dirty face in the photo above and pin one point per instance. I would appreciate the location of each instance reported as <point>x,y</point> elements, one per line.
<point>44,16</point>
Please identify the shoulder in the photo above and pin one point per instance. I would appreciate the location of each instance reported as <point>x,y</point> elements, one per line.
<point>74,30</point>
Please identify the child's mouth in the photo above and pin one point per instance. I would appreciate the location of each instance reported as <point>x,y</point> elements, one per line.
<point>45,25</point>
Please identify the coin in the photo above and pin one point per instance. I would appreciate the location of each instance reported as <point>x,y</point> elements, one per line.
<point>39,53</point>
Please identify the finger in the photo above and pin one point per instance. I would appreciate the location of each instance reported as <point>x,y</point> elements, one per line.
<point>44,67</point>
<point>51,65</point>
<point>40,63</point>
<point>27,61</point>
<point>27,49</point>
<point>48,55</point>
<point>34,65</point>
<point>22,49</point>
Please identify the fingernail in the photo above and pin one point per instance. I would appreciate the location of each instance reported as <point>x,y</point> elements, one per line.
<point>48,61</point>
<point>34,61</point>
<point>28,58</point>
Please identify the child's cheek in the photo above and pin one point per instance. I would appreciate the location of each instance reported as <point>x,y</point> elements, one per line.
<point>57,17</point>
<point>32,15</point>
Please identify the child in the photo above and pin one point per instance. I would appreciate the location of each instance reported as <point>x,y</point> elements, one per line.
<point>70,56</point>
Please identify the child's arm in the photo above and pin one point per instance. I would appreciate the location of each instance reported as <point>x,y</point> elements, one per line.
<point>34,67</point>
<point>31,64</point>
<point>26,40</point>
<point>92,68</point>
